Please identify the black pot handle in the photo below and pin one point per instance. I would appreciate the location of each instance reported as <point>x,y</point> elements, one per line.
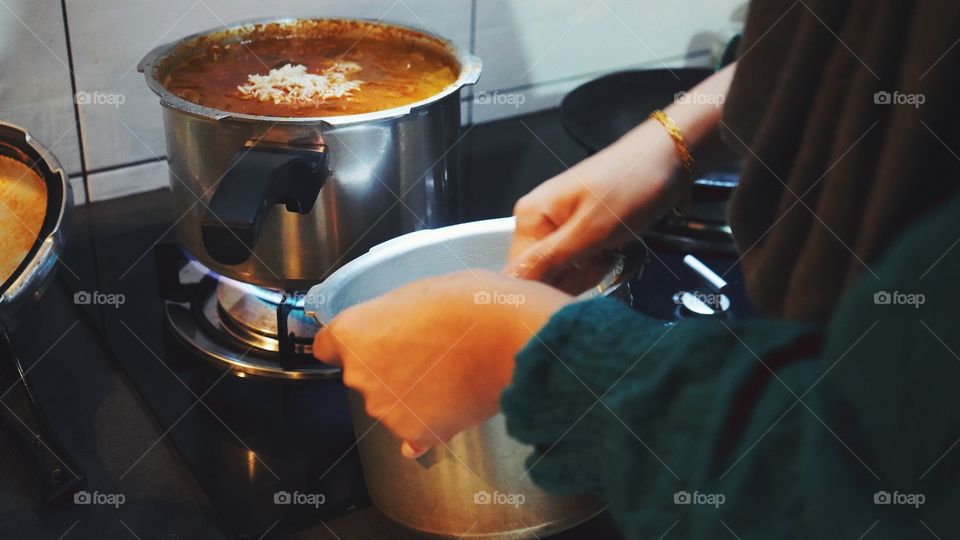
<point>25,427</point>
<point>257,179</point>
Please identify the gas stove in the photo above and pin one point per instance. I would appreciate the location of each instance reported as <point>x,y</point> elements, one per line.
<point>209,364</point>
<point>252,330</point>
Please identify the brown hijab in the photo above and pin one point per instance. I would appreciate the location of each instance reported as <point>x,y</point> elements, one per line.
<point>836,163</point>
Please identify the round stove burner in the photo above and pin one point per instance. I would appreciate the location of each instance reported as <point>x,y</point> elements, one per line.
<point>235,325</point>
<point>249,315</point>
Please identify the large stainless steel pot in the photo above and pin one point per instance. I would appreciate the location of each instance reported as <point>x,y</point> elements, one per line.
<point>282,202</point>
<point>466,487</point>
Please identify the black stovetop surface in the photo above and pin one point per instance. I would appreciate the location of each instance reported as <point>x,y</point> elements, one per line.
<point>199,452</point>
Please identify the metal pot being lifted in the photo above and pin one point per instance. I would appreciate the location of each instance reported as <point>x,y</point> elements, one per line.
<point>281,201</point>
<point>443,493</point>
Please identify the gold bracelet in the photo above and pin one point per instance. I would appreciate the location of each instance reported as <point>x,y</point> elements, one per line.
<point>683,152</point>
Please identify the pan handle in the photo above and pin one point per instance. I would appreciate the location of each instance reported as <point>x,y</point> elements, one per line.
<point>257,179</point>
<point>24,425</point>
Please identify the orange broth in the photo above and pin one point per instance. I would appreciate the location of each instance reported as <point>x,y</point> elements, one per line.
<point>394,70</point>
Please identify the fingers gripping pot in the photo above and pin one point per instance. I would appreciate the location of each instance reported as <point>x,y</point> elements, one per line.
<point>281,202</point>
<point>450,491</point>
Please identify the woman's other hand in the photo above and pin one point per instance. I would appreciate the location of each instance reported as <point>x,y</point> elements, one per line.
<point>565,225</point>
<point>432,357</point>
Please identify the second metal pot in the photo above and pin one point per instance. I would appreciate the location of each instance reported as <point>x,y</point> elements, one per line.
<point>282,202</point>
<point>22,422</point>
<point>476,485</point>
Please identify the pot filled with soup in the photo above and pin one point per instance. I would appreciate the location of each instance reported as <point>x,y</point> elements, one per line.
<point>296,145</point>
<point>35,203</point>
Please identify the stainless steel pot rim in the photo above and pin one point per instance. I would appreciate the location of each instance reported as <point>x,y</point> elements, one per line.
<point>539,530</point>
<point>316,300</point>
<point>47,246</point>
<point>470,68</point>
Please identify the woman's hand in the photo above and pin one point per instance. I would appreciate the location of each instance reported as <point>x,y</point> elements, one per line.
<point>564,225</point>
<point>432,357</point>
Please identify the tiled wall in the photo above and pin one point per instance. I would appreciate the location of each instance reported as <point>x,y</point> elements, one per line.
<point>534,51</point>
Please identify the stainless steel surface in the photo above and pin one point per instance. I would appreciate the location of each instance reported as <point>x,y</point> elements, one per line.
<point>706,305</point>
<point>450,491</point>
<point>29,284</point>
<point>473,487</point>
<point>23,424</point>
<point>391,172</point>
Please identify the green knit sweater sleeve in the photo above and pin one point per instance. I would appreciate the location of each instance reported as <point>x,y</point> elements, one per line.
<point>760,428</point>
<point>634,411</point>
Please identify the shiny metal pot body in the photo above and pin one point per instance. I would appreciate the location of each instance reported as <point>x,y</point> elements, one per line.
<point>23,424</point>
<point>475,485</point>
<point>29,282</point>
<point>387,177</point>
<point>378,175</point>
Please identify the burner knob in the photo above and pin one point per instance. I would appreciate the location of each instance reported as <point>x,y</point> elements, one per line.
<point>702,305</point>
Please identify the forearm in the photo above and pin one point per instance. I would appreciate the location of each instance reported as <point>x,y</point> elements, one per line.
<point>697,113</point>
<point>611,197</point>
<point>638,173</point>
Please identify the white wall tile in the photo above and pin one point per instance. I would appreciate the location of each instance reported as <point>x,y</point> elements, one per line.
<point>128,181</point>
<point>528,42</point>
<point>490,105</point>
<point>109,37</point>
<point>79,194</point>
<point>35,76</point>
<point>496,105</point>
